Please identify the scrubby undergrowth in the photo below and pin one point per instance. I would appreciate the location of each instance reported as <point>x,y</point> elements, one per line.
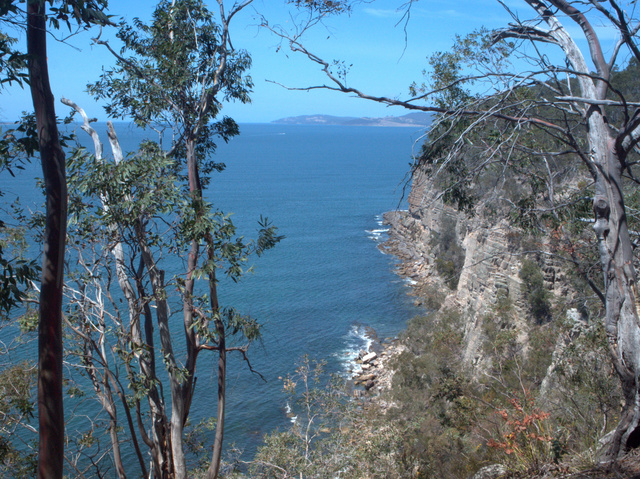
<point>537,411</point>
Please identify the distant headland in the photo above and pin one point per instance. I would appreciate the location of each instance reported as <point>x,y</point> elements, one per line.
<point>410,119</point>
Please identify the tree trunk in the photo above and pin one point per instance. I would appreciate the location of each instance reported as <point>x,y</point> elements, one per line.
<point>160,442</point>
<point>156,276</point>
<point>621,322</point>
<point>195,188</point>
<point>605,161</point>
<point>191,336</point>
<point>50,405</point>
<point>214,466</point>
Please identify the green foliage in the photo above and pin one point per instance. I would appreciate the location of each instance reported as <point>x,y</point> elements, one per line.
<point>17,145</point>
<point>450,255</point>
<point>138,190</point>
<point>323,7</point>
<point>445,421</point>
<point>434,398</point>
<point>15,280</point>
<point>331,436</point>
<point>543,341</point>
<point>535,293</point>
<point>13,63</point>
<point>84,13</point>
<point>173,68</point>
<point>172,74</point>
<point>586,394</point>
<point>449,172</point>
<point>195,441</point>
<point>626,87</point>
<point>314,406</point>
<point>168,74</point>
<point>455,153</point>
<point>17,385</point>
<point>28,321</point>
<point>429,296</point>
<point>15,391</point>
<point>454,420</point>
<point>17,464</point>
<point>448,77</point>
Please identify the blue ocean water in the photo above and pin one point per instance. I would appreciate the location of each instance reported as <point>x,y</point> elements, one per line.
<point>325,188</point>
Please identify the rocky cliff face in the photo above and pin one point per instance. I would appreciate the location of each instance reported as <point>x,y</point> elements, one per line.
<point>493,256</point>
<point>504,347</point>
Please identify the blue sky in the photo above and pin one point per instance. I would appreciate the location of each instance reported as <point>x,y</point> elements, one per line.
<point>369,38</point>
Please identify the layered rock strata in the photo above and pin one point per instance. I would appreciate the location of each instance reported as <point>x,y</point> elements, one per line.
<point>492,261</point>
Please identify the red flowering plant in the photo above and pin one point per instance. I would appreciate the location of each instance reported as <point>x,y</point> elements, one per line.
<point>524,434</point>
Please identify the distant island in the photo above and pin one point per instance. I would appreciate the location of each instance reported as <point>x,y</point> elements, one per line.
<point>410,119</point>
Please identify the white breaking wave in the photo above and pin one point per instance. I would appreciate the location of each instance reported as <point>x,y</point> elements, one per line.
<point>355,340</point>
<point>292,417</point>
<point>377,233</point>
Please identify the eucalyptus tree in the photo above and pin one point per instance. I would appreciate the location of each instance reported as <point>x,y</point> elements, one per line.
<point>482,83</point>
<point>12,63</point>
<point>171,76</point>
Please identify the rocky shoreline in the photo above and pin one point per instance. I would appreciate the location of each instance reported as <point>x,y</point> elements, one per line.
<point>403,243</point>
<point>372,373</point>
<point>375,374</point>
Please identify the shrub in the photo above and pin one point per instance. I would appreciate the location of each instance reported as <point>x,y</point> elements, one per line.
<point>450,255</point>
<point>524,435</point>
<point>332,437</point>
<point>534,291</point>
<point>585,394</point>
<point>431,297</point>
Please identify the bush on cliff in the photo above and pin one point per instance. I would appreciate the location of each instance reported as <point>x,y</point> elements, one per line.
<point>534,291</point>
<point>449,254</point>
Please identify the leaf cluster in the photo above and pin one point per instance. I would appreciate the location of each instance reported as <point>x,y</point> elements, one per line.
<point>324,7</point>
<point>83,12</point>
<point>13,63</point>
<point>535,293</point>
<point>17,146</point>
<point>172,66</point>
<point>143,187</point>
<point>18,407</point>
<point>175,72</point>
<point>450,255</point>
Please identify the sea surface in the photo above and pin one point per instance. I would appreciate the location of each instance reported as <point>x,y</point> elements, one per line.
<point>316,293</point>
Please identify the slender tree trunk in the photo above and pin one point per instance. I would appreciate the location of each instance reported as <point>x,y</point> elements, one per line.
<point>605,160</point>
<point>191,334</point>
<point>156,275</point>
<point>195,188</point>
<point>50,406</point>
<point>214,466</point>
<point>160,443</point>
<point>622,324</point>
<point>104,386</point>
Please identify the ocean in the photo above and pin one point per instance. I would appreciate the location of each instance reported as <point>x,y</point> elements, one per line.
<point>317,292</point>
<point>325,188</point>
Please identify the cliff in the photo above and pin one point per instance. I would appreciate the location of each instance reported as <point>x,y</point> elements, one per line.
<point>491,266</point>
<point>510,326</point>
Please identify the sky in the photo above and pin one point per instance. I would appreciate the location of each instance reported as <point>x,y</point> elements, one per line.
<point>385,57</point>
